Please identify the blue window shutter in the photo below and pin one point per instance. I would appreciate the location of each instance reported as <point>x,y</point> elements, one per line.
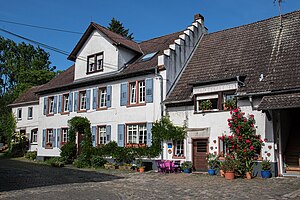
<point>88,99</point>
<point>59,103</point>
<point>75,101</point>
<point>71,102</point>
<point>95,98</point>
<point>124,95</point>
<point>121,134</point>
<point>108,133</point>
<point>44,138</point>
<point>149,90</point>
<point>58,137</point>
<point>54,138</point>
<point>108,95</point>
<point>149,134</point>
<point>94,129</point>
<point>55,105</point>
<point>45,105</point>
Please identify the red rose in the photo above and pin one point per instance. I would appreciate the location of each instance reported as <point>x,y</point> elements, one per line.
<point>248,141</point>
<point>266,140</point>
<point>237,130</point>
<point>251,148</point>
<point>245,120</point>
<point>251,116</point>
<point>235,110</point>
<point>245,150</point>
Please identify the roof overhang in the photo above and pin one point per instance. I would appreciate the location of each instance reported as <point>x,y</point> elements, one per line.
<point>280,101</point>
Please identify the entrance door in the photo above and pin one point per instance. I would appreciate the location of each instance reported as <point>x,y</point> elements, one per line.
<point>199,154</point>
<point>80,137</point>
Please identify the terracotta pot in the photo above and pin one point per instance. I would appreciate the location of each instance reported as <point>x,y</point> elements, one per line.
<point>142,169</point>
<point>222,173</point>
<point>248,175</point>
<point>229,175</point>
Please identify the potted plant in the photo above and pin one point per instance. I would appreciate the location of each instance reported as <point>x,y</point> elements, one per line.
<point>186,167</point>
<point>142,169</point>
<point>266,169</point>
<point>213,163</point>
<point>205,105</point>
<point>249,168</point>
<point>229,166</point>
<point>230,104</point>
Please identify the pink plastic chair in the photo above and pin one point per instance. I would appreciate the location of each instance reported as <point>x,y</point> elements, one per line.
<point>168,165</point>
<point>160,166</point>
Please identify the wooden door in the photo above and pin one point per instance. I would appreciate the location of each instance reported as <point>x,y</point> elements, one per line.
<point>199,154</point>
<point>80,138</point>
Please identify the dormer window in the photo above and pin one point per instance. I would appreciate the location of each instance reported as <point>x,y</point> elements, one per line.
<point>95,63</point>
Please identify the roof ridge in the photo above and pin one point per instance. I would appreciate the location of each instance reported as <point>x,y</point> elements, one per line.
<point>259,21</point>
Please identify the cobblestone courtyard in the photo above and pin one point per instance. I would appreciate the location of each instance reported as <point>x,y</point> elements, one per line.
<point>23,180</point>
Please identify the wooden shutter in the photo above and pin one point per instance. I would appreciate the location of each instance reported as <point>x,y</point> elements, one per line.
<point>94,129</point>
<point>123,94</point>
<point>58,137</point>
<point>108,133</point>
<point>149,134</point>
<point>95,98</point>
<point>121,134</point>
<point>75,101</point>
<point>44,138</point>
<point>108,95</point>
<point>54,138</point>
<point>45,105</point>
<point>55,105</point>
<point>59,103</point>
<point>88,99</point>
<point>149,90</point>
<point>70,101</point>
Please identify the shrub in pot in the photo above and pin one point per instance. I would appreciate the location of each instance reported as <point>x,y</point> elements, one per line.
<point>266,169</point>
<point>213,163</point>
<point>229,166</point>
<point>187,167</point>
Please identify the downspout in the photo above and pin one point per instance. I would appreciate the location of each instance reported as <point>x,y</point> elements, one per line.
<point>161,103</point>
<point>251,102</point>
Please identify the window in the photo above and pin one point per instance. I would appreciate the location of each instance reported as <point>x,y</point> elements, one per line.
<point>95,63</point>
<point>101,135</point>
<point>19,113</point>
<point>102,97</point>
<point>148,56</point>
<point>34,135</point>
<point>66,103</point>
<point>49,138</point>
<point>30,112</point>
<point>82,100</point>
<point>137,134</point>
<point>51,105</point>
<point>222,147</point>
<point>179,148</point>
<point>64,135</point>
<point>137,92</point>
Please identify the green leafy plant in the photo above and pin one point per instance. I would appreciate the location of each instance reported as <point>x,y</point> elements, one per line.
<point>68,152</point>
<point>186,165</point>
<point>98,161</point>
<point>82,162</point>
<point>229,165</point>
<point>230,103</point>
<point>55,162</point>
<point>212,161</point>
<point>31,155</point>
<point>205,105</point>
<point>266,165</point>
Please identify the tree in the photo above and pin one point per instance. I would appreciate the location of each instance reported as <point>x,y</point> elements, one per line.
<point>117,27</point>
<point>21,67</point>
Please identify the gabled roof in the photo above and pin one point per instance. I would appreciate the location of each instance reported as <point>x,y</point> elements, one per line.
<point>29,96</point>
<point>115,38</point>
<point>280,101</point>
<point>261,49</point>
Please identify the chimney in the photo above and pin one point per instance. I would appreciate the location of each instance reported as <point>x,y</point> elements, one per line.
<point>198,16</point>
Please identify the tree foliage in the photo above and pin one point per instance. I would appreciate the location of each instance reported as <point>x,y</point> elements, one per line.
<point>117,27</point>
<point>21,67</point>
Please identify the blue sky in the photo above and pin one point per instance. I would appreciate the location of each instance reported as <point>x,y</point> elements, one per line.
<point>146,19</point>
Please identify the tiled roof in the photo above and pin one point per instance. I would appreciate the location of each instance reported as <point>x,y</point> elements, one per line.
<point>28,96</point>
<point>280,101</point>
<point>249,50</point>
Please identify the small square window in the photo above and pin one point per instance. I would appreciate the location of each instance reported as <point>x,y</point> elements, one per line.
<point>30,112</point>
<point>95,63</point>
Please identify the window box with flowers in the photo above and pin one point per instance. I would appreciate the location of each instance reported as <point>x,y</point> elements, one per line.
<point>230,104</point>
<point>205,105</point>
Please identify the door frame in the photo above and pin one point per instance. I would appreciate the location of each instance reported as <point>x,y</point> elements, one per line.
<point>198,138</point>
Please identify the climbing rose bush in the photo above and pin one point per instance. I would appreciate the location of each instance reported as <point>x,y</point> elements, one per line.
<point>243,144</point>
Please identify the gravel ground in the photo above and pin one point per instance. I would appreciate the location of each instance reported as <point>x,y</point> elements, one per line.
<point>25,180</point>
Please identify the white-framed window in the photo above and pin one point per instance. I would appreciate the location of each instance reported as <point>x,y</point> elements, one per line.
<point>82,100</point>
<point>19,113</point>
<point>207,102</point>
<point>137,92</point>
<point>102,97</point>
<point>64,135</point>
<point>137,134</point>
<point>101,135</point>
<point>66,103</point>
<point>34,133</point>
<point>179,148</point>
<point>51,105</point>
<point>30,112</point>
<point>132,92</point>
<point>95,63</point>
<point>49,138</point>
<point>142,91</point>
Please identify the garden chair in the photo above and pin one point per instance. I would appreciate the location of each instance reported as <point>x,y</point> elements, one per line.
<point>160,166</point>
<point>168,165</point>
<point>176,166</point>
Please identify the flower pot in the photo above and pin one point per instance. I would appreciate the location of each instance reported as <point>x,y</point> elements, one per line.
<point>229,175</point>
<point>142,169</point>
<point>222,173</point>
<point>265,173</point>
<point>187,171</point>
<point>211,172</point>
<point>248,175</point>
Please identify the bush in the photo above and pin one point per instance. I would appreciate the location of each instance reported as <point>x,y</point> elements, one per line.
<point>56,162</point>
<point>82,162</point>
<point>31,155</point>
<point>68,152</point>
<point>97,161</point>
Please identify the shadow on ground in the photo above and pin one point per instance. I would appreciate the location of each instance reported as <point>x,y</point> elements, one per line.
<point>16,175</point>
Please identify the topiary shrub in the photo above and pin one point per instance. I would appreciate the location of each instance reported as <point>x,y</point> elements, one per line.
<point>98,161</point>
<point>31,155</point>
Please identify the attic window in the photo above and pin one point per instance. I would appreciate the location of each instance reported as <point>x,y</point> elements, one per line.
<point>149,56</point>
<point>95,63</point>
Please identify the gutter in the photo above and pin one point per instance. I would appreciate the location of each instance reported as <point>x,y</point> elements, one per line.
<point>274,92</point>
<point>161,91</point>
<point>23,103</point>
